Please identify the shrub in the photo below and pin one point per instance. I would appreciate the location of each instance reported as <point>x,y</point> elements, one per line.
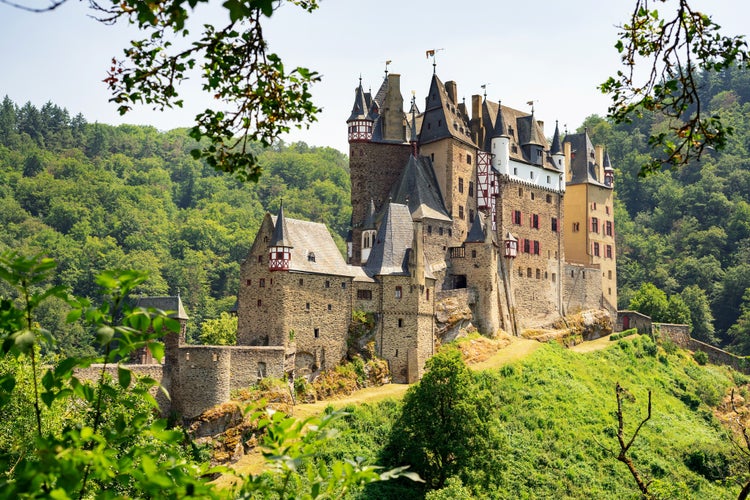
<point>710,462</point>
<point>700,357</point>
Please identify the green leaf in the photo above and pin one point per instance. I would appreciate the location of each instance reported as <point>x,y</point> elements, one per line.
<point>104,335</point>
<point>124,376</point>
<point>157,350</point>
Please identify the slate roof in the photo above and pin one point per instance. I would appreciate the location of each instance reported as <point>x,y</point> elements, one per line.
<point>476,233</point>
<point>418,188</point>
<point>361,107</point>
<point>556,147</point>
<point>308,238</point>
<point>389,255</point>
<point>171,303</point>
<point>583,160</point>
<point>521,127</point>
<point>442,117</point>
<point>280,236</point>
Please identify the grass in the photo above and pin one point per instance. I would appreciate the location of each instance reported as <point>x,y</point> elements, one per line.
<point>556,411</point>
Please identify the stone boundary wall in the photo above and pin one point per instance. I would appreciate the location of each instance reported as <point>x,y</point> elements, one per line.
<point>634,319</point>
<point>680,335</point>
<point>466,295</point>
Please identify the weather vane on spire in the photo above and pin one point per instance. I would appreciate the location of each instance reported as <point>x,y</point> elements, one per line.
<point>531,103</point>
<point>484,87</point>
<point>431,53</point>
<point>387,62</point>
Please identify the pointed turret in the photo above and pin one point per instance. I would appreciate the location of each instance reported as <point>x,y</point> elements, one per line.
<point>476,233</point>
<point>500,143</point>
<point>280,247</point>
<point>368,232</point>
<point>609,172</point>
<point>360,121</point>
<point>556,150</point>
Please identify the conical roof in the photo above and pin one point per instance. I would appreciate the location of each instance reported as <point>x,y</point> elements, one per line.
<point>500,130</point>
<point>556,147</point>
<point>607,163</point>
<point>280,236</point>
<point>370,220</point>
<point>533,134</point>
<point>476,233</point>
<point>361,107</point>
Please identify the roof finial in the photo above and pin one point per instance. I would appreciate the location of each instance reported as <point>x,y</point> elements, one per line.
<point>484,87</point>
<point>387,62</point>
<point>431,53</point>
<point>531,103</point>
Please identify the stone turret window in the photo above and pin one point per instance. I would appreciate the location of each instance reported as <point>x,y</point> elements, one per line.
<point>400,322</point>
<point>460,212</point>
<point>549,198</point>
<point>307,306</point>
<point>330,307</point>
<point>471,188</point>
<point>328,284</point>
<point>262,283</point>
<point>473,254</point>
<point>260,303</point>
<point>554,224</point>
<point>316,332</point>
<point>398,292</point>
<point>301,282</point>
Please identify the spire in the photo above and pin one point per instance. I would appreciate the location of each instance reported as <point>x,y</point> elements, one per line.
<point>556,148</point>
<point>413,139</point>
<point>607,163</point>
<point>500,129</point>
<point>280,236</point>
<point>360,108</point>
<point>370,219</point>
<point>476,233</point>
<point>534,135</point>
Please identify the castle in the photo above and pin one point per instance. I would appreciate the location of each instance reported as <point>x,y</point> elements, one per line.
<point>475,206</point>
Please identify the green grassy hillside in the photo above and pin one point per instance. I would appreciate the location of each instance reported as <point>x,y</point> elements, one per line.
<point>556,411</point>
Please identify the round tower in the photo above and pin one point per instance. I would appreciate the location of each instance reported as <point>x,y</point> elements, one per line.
<point>360,123</point>
<point>500,144</point>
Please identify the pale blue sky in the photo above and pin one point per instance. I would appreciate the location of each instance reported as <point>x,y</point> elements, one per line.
<point>553,52</point>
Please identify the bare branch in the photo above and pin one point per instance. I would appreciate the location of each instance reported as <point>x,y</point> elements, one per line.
<point>622,456</point>
<point>48,8</point>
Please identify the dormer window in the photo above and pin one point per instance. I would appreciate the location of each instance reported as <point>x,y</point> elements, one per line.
<point>311,257</point>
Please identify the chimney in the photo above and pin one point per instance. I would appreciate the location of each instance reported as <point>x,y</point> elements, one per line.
<point>452,90</point>
<point>567,149</point>
<point>599,163</point>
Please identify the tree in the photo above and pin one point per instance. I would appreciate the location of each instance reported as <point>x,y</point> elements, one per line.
<point>219,331</point>
<point>445,428</point>
<point>650,301</point>
<point>700,314</point>
<point>675,49</point>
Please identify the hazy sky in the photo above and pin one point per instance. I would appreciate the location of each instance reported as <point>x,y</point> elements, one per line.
<point>552,52</point>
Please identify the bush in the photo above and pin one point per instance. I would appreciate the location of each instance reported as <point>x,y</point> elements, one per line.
<point>623,334</point>
<point>710,462</point>
<point>700,357</point>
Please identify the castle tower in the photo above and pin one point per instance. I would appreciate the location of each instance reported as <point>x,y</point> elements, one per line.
<point>556,150</point>
<point>378,150</point>
<point>280,248</point>
<point>589,236</point>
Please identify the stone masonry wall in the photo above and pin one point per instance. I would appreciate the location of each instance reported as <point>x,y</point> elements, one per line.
<point>205,379</point>
<point>479,264</point>
<point>534,278</point>
<point>154,371</point>
<point>582,288</point>
<point>318,309</point>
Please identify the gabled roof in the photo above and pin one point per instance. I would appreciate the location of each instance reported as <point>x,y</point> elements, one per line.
<point>388,255</point>
<point>168,303</point>
<point>419,190</point>
<point>313,249</point>
<point>442,117</point>
<point>583,160</point>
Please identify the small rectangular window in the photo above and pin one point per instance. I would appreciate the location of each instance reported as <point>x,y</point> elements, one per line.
<point>307,306</point>
<point>262,282</point>
<point>343,285</point>
<point>316,332</point>
<point>301,282</point>
<point>535,221</point>
<point>328,284</point>
<point>260,302</point>
<point>330,307</point>
<point>468,159</point>
<point>460,185</point>
<point>528,272</point>
<point>460,212</point>
<point>554,224</point>
<point>471,188</point>
<point>596,249</point>
<point>398,292</point>
<point>576,227</point>
<point>517,217</point>
<point>400,322</point>
<point>364,294</point>
<point>248,282</point>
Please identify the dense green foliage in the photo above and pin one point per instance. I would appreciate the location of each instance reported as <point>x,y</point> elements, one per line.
<point>95,197</point>
<point>67,435</point>
<point>555,411</point>
<point>687,231</point>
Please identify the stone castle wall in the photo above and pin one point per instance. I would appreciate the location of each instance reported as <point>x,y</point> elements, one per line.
<point>534,277</point>
<point>582,287</point>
